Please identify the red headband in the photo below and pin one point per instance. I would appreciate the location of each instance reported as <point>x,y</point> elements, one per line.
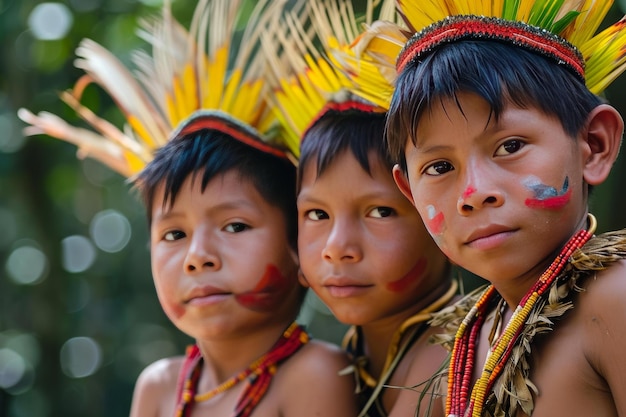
<point>344,106</point>
<point>222,122</point>
<point>455,28</point>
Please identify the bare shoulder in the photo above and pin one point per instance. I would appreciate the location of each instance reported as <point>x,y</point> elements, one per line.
<point>602,297</point>
<point>155,389</point>
<point>603,313</point>
<point>421,372</point>
<point>313,383</point>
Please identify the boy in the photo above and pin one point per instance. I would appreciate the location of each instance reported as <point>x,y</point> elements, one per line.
<point>223,231</point>
<point>365,252</point>
<point>499,142</point>
<point>220,202</point>
<point>358,245</point>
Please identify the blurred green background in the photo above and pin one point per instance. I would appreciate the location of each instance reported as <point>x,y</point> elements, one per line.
<point>79,318</point>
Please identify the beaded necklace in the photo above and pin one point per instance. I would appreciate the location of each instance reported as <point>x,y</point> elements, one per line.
<point>259,374</point>
<point>395,352</point>
<point>463,353</point>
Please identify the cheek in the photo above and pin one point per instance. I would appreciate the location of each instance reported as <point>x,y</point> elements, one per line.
<point>434,220</point>
<point>268,292</point>
<point>412,276</point>
<point>310,247</point>
<point>172,309</point>
<point>166,288</point>
<point>547,197</point>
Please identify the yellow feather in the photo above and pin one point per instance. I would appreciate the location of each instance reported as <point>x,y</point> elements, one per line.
<point>140,129</point>
<point>190,89</point>
<point>232,87</point>
<point>216,76</point>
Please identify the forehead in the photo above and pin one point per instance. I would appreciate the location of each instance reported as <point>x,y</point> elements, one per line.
<point>228,189</point>
<point>344,163</point>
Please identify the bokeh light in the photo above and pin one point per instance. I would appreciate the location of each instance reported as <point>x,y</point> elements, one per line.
<point>110,231</point>
<point>27,265</point>
<point>12,368</point>
<point>78,253</point>
<point>50,21</point>
<point>80,357</point>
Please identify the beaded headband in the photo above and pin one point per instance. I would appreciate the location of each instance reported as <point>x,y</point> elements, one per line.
<point>352,105</point>
<point>225,123</point>
<point>210,76</point>
<point>564,31</point>
<point>460,27</point>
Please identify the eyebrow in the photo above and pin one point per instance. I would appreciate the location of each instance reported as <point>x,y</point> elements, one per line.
<point>234,204</point>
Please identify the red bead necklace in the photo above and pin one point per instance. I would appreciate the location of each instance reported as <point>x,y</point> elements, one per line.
<point>259,374</point>
<point>463,353</point>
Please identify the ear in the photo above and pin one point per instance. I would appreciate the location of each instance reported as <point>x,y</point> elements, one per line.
<point>302,279</point>
<point>603,138</point>
<point>403,183</point>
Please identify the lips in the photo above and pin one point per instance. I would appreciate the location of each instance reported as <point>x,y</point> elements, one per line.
<point>343,287</point>
<point>489,237</point>
<point>205,294</point>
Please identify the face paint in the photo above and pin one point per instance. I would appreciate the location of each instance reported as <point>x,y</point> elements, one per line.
<point>468,192</point>
<point>547,197</point>
<point>173,310</point>
<point>413,275</point>
<point>434,221</point>
<point>267,293</point>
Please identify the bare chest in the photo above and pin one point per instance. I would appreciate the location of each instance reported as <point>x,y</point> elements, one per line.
<point>565,381</point>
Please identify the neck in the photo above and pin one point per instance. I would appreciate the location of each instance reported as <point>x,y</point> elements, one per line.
<point>380,335</point>
<point>225,357</point>
<point>514,290</point>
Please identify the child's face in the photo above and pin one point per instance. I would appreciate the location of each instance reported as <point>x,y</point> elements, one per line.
<point>498,198</point>
<point>221,260</point>
<point>363,247</point>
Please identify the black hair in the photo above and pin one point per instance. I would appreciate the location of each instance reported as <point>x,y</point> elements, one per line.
<point>336,131</point>
<point>500,73</point>
<point>213,153</point>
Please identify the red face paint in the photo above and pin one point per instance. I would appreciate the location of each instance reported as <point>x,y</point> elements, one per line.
<point>413,275</point>
<point>550,203</point>
<point>435,225</point>
<point>468,192</point>
<point>267,293</point>
<point>173,310</point>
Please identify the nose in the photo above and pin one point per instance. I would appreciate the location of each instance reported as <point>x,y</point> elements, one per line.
<point>480,191</point>
<point>343,244</point>
<point>201,254</point>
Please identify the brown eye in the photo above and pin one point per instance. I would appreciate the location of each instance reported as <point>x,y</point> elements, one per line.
<point>236,227</point>
<point>316,215</point>
<point>380,212</point>
<point>509,147</point>
<point>439,168</point>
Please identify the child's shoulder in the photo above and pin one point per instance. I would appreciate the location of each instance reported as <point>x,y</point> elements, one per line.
<point>318,359</point>
<point>314,383</point>
<point>155,389</point>
<point>162,372</point>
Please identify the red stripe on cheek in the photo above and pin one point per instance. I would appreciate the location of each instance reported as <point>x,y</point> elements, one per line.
<point>413,275</point>
<point>173,310</point>
<point>268,291</point>
<point>552,203</point>
<point>435,225</point>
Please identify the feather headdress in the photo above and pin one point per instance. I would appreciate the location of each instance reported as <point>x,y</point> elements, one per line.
<point>202,78</point>
<point>313,66</point>
<point>562,30</point>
